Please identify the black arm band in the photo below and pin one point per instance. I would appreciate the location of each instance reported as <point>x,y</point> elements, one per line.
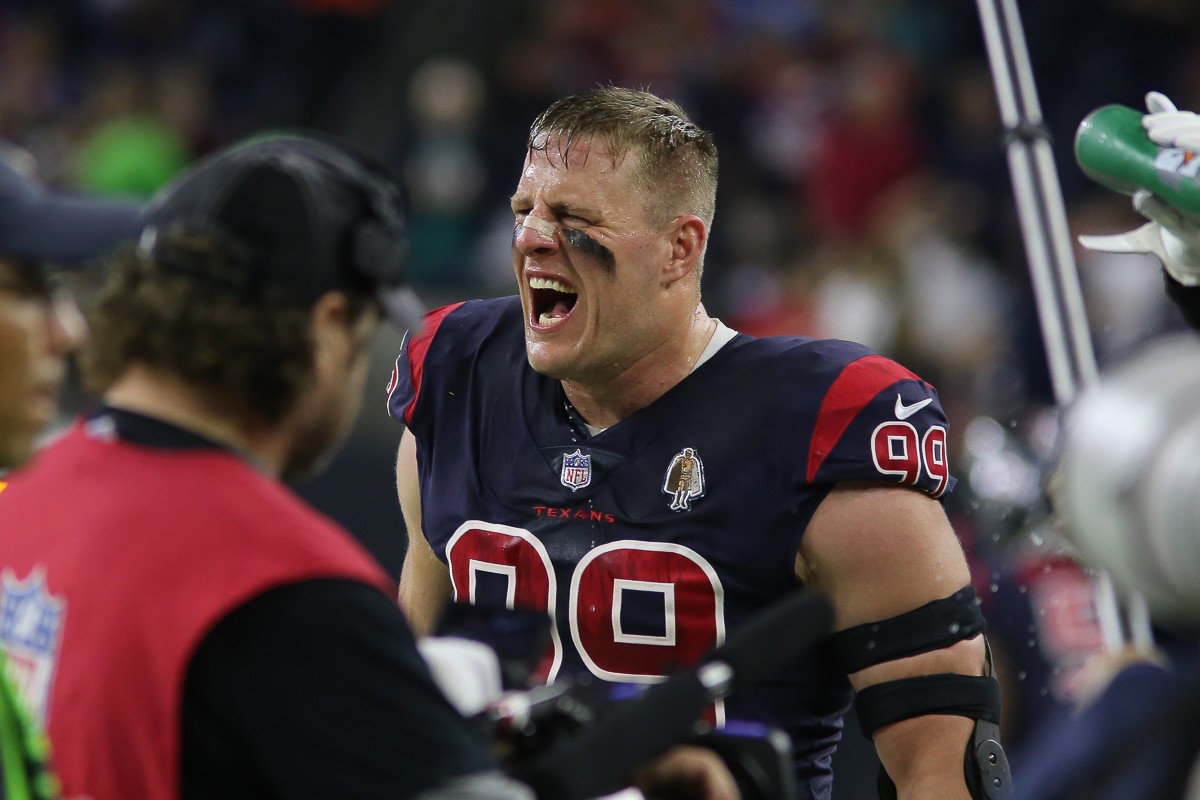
<point>959,695</point>
<point>933,626</point>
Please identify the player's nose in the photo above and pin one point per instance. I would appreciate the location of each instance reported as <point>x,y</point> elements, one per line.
<point>533,234</point>
<point>66,323</point>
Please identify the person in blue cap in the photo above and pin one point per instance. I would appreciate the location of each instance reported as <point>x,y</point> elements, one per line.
<point>39,326</point>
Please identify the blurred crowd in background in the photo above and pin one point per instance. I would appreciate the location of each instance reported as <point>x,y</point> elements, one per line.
<point>864,192</point>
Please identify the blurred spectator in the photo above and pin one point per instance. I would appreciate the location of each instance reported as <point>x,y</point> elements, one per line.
<point>1039,602</point>
<point>1124,298</point>
<point>444,168</point>
<point>131,149</point>
<point>872,141</point>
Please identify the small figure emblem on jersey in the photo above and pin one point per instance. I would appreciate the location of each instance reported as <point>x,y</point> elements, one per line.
<point>685,479</point>
<point>576,470</point>
<point>31,623</point>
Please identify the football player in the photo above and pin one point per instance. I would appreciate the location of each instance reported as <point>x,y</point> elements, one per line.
<point>602,449</point>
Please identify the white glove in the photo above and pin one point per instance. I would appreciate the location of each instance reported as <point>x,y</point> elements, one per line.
<point>467,671</point>
<point>1169,127</point>
<point>1171,236</point>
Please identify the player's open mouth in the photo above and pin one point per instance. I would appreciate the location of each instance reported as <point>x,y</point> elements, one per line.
<point>551,301</point>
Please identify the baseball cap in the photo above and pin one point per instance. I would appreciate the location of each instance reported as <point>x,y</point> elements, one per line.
<point>296,215</point>
<point>40,225</point>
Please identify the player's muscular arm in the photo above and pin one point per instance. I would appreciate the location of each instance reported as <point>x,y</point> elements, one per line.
<point>424,579</point>
<point>879,552</point>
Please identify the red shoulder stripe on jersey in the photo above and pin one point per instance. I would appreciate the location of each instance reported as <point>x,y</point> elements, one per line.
<point>418,346</point>
<point>857,385</point>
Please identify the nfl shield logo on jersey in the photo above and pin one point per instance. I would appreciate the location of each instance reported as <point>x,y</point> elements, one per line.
<point>30,630</point>
<point>576,470</point>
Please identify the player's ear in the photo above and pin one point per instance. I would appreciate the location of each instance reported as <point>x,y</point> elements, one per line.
<point>688,237</point>
<point>330,312</point>
<point>330,328</point>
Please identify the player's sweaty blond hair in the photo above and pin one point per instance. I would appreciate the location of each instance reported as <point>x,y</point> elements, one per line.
<point>676,159</point>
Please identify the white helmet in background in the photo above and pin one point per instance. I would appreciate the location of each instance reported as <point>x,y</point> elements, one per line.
<point>1128,482</point>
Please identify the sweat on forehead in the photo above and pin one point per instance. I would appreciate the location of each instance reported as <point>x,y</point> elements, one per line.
<point>626,118</point>
<point>574,149</point>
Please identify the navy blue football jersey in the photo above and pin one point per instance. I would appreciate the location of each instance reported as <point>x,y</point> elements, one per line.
<point>650,540</point>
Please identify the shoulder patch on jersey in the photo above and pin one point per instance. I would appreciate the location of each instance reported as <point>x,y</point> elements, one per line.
<point>854,388</point>
<point>685,479</point>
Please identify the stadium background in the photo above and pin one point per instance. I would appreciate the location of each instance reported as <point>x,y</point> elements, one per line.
<point>864,193</point>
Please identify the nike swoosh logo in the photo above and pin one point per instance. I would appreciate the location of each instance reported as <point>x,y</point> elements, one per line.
<point>904,412</point>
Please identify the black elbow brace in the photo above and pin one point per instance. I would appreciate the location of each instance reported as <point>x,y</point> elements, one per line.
<point>933,626</point>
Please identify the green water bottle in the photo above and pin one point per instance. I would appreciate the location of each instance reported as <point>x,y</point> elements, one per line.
<point>1112,148</point>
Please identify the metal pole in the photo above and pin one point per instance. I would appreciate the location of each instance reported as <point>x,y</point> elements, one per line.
<point>1040,209</point>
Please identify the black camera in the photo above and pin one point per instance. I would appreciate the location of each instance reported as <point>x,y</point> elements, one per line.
<point>560,738</point>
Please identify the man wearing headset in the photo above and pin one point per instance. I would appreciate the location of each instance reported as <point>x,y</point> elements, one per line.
<point>188,627</point>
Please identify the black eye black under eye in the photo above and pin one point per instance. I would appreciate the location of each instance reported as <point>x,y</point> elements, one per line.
<point>581,242</point>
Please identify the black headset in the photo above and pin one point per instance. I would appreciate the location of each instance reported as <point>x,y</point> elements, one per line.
<point>376,254</point>
<point>379,242</point>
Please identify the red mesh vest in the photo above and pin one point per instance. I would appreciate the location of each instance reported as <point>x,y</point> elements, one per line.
<point>116,560</point>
